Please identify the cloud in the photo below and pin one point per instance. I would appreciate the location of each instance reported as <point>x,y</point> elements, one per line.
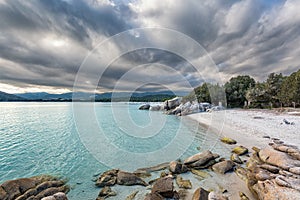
<point>43,42</point>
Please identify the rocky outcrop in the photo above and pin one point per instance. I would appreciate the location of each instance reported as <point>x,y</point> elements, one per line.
<point>114,176</point>
<point>172,103</point>
<point>38,187</point>
<point>272,173</point>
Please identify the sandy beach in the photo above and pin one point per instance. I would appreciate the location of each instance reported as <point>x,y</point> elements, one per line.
<point>251,127</point>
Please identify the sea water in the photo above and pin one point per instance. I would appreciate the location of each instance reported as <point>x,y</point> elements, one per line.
<point>78,141</point>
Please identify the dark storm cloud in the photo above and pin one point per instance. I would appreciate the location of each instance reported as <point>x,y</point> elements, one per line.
<point>43,42</point>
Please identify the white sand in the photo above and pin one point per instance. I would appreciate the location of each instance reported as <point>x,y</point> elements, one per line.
<point>249,126</point>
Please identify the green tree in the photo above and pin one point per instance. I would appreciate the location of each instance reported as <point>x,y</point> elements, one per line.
<point>290,90</point>
<point>258,96</point>
<point>273,88</point>
<point>236,90</point>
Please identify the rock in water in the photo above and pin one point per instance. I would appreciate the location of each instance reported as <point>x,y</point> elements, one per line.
<point>240,150</point>
<point>200,194</point>
<point>108,178</point>
<point>172,103</point>
<point>144,107</point>
<point>223,167</point>
<point>185,184</point>
<point>228,140</point>
<point>32,188</point>
<point>126,178</point>
<point>106,192</point>
<point>164,187</point>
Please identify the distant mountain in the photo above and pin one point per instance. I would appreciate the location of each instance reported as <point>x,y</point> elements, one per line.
<point>108,96</point>
<point>10,97</point>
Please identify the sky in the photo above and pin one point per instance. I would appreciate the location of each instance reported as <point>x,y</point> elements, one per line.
<point>59,46</point>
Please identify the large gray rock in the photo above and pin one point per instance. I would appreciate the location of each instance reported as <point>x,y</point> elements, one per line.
<point>223,167</point>
<point>164,187</point>
<point>126,178</point>
<point>172,103</point>
<point>200,159</point>
<point>177,167</point>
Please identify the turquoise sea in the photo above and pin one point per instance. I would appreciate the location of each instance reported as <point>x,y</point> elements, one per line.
<point>79,141</point>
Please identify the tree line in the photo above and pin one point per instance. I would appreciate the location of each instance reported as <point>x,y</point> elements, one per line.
<point>244,91</point>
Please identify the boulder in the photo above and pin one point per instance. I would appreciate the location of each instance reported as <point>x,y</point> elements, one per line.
<point>156,108</point>
<point>278,158</point>
<point>144,107</point>
<point>200,158</point>
<point>185,184</point>
<point>235,158</point>
<point>106,192</point>
<point>172,103</point>
<point>126,178</point>
<point>223,167</point>
<point>164,187</point>
<point>243,196</point>
<point>200,194</point>
<point>108,178</point>
<point>177,167</point>
<point>228,140</point>
<point>240,150</point>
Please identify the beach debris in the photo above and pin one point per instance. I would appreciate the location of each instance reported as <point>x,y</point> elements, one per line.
<point>132,195</point>
<point>200,194</point>
<point>185,184</point>
<point>106,192</point>
<point>144,107</point>
<point>288,122</point>
<point>228,140</point>
<point>235,158</point>
<point>240,150</point>
<point>223,167</point>
<point>37,187</point>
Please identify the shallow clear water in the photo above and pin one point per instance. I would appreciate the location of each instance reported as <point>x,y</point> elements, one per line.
<point>81,140</point>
